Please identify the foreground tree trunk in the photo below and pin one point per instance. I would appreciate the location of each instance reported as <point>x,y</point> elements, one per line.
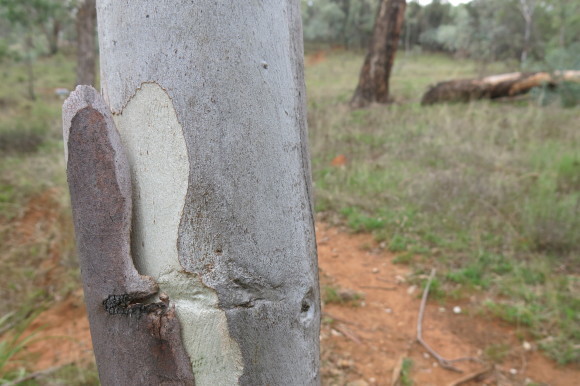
<point>374,77</point>
<point>86,26</point>
<point>495,86</point>
<point>208,101</point>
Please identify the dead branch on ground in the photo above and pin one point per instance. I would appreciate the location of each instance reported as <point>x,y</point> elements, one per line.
<point>475,376</point>
<point>495,86</point>
<point>445,363</point>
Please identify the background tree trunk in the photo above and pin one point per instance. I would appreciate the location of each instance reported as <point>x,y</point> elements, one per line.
<point>374,77</point>
<point>53,37</point>
<point>86,24</point>
<point>208,99</point>
<point>527,8</point>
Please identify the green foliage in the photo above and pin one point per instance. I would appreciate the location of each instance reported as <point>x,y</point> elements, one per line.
<point>12,343</point>
<point>336,295</point>
<point>74,375</point>
<point>346,22</point>
<point>496,353</point>
<point>20,140</point>
<point>406,368</point>
<point>29,12</point>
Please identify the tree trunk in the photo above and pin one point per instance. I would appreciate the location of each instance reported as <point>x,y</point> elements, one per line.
<point>495,86</point>
<point>345,7</point>
<point>527,8</point>
<point>52,35</point>
<point>29,63</point>
<point>374,77</point>
<point>208,99</point>
<point>55,36</point>
<point>86,23</point>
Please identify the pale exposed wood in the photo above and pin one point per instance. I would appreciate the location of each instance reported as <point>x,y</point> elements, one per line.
<point>397,371</point>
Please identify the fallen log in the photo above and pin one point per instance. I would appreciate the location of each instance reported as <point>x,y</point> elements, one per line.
<point>495,86</point>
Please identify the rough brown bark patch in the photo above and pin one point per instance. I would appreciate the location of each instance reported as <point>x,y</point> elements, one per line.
<point>137,341</point>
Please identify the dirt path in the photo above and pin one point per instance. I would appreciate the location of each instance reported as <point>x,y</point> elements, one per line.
<point>362,344</point>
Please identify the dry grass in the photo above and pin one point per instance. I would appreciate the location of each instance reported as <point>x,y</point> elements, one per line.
<point>488,191</point>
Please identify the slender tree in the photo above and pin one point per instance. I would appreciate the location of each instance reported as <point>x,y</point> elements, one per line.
<point>86,26</point>
<point>374,77</point>
<point>527,8</point>
<point>208,102</point>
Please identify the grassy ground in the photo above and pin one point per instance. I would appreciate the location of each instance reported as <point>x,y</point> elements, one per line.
<point>37,261</point>
<point>488,192</point>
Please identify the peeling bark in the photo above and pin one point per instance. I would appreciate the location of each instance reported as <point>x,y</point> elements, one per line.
<point>136,339</point>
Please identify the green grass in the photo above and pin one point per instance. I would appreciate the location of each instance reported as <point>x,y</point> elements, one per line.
<point>32,164</point>
<point>12,344</point>
<point>406,368</point>
<point>332,294</point>
<point>488,192</point>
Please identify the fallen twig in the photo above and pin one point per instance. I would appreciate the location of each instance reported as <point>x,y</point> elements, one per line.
<point>397,371</point>
<point>378,287</point>
<point>385,280</point>
<point>37,374</point>
<point>445,363</point>
<point>477,375</point>
<point>347,333</point>
<point>338,319</point>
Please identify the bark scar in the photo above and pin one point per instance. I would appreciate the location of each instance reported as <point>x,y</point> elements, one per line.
<point>131,304</point>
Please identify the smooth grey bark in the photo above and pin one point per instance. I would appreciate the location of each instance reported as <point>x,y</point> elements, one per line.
<point>209,101</point>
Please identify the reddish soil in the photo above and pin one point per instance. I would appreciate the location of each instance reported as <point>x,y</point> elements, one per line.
<point>41,222</point>
<point>364,343</point>
<point>315,58</point>
<point>40,216</point>
<point>61,335</point>
<point>364,340</point>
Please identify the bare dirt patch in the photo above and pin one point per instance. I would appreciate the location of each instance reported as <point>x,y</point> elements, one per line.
<point>363,344</point>
<point>365,340</point>
<point>62,335</point>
